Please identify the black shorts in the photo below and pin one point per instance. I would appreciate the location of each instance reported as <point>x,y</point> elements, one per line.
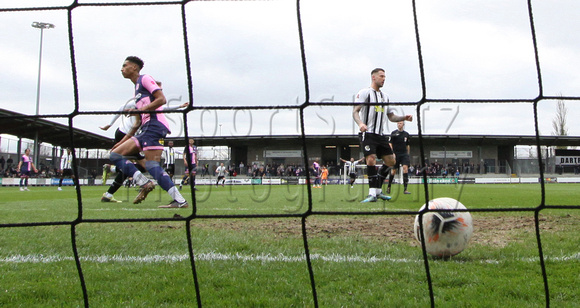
<point>402,160</point>
<point>67,172</point>
<point>374,144</point>
<point>170,169</point>
<point>352,175</point>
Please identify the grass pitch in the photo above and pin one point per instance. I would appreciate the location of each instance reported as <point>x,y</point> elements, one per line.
<point>363,255</point>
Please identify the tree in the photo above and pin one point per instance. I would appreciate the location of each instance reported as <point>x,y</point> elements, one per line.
<point>559,121</point>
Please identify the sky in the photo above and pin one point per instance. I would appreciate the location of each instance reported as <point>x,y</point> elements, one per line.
<point>247,53</point>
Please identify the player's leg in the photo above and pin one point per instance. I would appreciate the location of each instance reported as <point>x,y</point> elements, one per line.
<point>114,187</point>
<point>406,179</point>
<point>372,175</point>
<point>184,179</point>
<point>369,144</point>
<point>391,178</point>
<point>60,180</point>
<point>384,172</point>
<point>125,166</point>
<point>152,158</point>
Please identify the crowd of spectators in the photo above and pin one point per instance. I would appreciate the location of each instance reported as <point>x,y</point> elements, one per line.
<point>449,170</point>
<point>292,170</point>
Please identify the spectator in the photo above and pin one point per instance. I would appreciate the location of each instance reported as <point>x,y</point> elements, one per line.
<point>9,162</point>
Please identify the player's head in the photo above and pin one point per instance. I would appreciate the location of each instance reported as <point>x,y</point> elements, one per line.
<point>351,159</point>
<point>136,60</point>
<point>27,151</point>
<point>170,143</point>
<point>191,141</point>
<point>131,67</point>
<point>401,125</point>
<point>378,77</point>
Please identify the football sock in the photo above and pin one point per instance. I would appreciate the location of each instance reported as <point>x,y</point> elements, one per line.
<point>117,183</point>
<point>175,194</point>
<point>405,180</point>
<point>373,179</point>
<point>159,175</point>
<point>126,167</point>
<point>391,178</point>
<point>384,172</point>
<point>139,178</point>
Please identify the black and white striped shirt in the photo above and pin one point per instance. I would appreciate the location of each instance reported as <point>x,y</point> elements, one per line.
<point>373,116</point>
<point>351,166</point>
<point>169,156</point>
<point>66,160</point>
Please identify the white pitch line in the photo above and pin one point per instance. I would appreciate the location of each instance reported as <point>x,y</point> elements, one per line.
<point>215,256</point>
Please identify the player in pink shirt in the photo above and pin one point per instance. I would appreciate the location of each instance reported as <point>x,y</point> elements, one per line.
<point>25,166</point>
<point>192,149</point>
<point>152,127</point>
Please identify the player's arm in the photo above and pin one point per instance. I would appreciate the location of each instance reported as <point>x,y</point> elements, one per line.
<point>356,116</point>
<point>115,117</point>
<point>396,118</point>
<point>158,96</point>
<point>33,167</point>
<point>176,107</point>
<point>342,160</point>
<point>158,101</point>
<point>185,157</point>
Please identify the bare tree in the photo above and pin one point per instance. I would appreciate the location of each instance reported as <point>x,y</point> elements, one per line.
<point>559,121</point>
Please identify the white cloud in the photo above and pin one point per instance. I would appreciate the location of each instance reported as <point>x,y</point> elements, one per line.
<point>247,53</point>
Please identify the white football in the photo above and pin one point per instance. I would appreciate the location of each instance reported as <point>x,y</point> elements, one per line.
<point>446,233</point>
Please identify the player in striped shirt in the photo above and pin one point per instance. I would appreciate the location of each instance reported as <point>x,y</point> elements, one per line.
<point>370,116</point>
<point>169,159</point>
<point>65,167</point>
<point>351,169</point>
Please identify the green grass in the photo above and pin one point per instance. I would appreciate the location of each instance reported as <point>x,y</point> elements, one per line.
<point>358,260</point>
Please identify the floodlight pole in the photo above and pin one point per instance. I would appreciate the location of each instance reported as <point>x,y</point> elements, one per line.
<point>41,26</point>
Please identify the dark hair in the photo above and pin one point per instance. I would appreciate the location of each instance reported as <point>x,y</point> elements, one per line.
<point>136,60</point>
<point>376,70</point>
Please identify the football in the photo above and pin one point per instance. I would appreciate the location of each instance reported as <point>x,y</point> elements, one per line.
<point>447,233</point>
